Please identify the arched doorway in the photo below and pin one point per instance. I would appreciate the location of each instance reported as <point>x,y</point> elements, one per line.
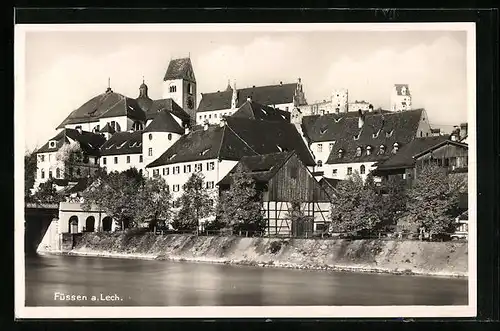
<point>73,224</point>
<point>90,224</point>
<point>106,224</point>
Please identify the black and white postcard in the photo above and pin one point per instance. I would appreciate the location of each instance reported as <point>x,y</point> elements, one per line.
<point>245,170</point>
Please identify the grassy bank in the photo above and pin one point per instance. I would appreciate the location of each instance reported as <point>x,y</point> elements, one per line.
<point>374,255</point>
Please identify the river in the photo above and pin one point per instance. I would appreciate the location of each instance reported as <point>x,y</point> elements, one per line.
<point>124,282</point>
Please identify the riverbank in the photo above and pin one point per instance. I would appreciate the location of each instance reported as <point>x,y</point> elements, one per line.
<point>448,259</point>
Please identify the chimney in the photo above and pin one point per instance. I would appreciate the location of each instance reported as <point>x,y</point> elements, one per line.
<point>187,129</point>
<point>79,129</point>
<point>281,83</point>
<point>453,137</point>
<point>361,119</point>
<point>205,126</point>
<point>249,98</point>
<point>370,108</point>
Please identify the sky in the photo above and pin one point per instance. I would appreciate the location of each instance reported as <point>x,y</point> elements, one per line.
<point>64,69</point>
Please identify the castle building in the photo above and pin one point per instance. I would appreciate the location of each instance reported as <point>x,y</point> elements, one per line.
<point>213,106</point>
<point>401,98</point>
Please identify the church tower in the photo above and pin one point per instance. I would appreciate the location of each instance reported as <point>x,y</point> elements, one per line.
<point>401,98</point>
<point>179,84</point>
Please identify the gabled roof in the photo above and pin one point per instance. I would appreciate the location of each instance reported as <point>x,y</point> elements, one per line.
<point>89,142</point>
<point>239,137</point>
<point>260,167</point>
<point>164,122</point>
<point>80,186</point>
<point>256,111</point>
<point>378,130</point>
<point>265,95</point>
<point>123,143</point>
<point>108,104</point>
<point>442,143</point>
<point>107,128</point>
<point>404,157</point>
<point>180,69</point>
<point>166,104</point>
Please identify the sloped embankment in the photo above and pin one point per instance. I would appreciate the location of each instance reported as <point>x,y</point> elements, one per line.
<point>429,258</point>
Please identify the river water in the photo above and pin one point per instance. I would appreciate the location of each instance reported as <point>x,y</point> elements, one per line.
<point>161,283</point>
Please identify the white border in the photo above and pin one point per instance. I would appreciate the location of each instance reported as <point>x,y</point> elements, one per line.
<point>239,312</point>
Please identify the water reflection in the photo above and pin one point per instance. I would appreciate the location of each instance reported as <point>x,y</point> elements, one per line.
<point>162,283</point>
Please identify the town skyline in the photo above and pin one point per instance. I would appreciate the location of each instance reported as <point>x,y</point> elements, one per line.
<point>432,63</point>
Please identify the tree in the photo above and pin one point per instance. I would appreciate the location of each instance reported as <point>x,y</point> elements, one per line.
<point>118,194</point>
<point>69,153</point>
<point>156,201</point>
<point>393,202</point>
<point>47,193</point>
<point>432,202</point>
<point>356,209</point>
<point>240,207</point>
<point>196,203</point>
<point>30,167</point>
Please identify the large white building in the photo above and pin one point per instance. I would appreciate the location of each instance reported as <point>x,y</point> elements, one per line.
<point>213,106</point>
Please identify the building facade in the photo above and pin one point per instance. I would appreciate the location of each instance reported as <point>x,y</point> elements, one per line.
<point>401,98</point>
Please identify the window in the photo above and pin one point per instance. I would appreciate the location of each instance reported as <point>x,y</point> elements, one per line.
<point>49,157</point>
<point>116,159</point>
<point>42,174</point>
<point>382,149</point>
<point>96,160</point>
<point>349,171</point>
<point>173,89</point>
<point>156,172</point>
<point>150,151</point>
<point>164,171</point>
<point>169,137</point>
<point>209,115</point>
<point>330,146</point>
<point>140,158</point>
<point>177,170</point>
<point>128,158</point>
<point>210,166</point>
<point>150,136</point>
<point>187,168</point>
<point>58,173</point>
<point>50,173</point>
<point>341,153</point>
<point>358,151</point>
<point>210,185</point>
<point>368,150</point>
<point>78,127</point>
<point>215,115</point>
<point>198,167</point>
<point>362,169</point>
<point>334,172</point>
<point>104,161</point>
<point>200,117</point>
<point>42,158</point>
<point>320,164</point>
<point>421,134</point>
<point>190,88</point>
<point>320,148</point>
<point>395,148</point>
<point>176,188</point>
<point>52,144</point>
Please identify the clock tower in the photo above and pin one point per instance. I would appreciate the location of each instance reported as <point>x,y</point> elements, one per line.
<point>179,84</point>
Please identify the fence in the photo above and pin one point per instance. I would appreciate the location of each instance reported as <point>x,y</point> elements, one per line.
<point>320,235</point>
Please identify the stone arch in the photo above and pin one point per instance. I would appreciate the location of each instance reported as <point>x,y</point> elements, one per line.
<point>73,224</point>
<point>90,224</point>
<point>107,223</point>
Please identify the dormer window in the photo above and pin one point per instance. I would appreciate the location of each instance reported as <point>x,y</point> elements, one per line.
<point>323,130</point>
<point>356,137</point>
<point>204,151</point>
<point>174,155</point>
<point>320,164</point>
<point>169,136</point>
<point>280,148</point>
<point>382,149</point>
<point>375,135</point>
<point>52,144</point>
<point>395,148</point>
<point>358,151</point>
<point>173,88</point>
<point>338,119</point>
<point>368,150</point>
<point>341,153</point>
<point>389,134</point>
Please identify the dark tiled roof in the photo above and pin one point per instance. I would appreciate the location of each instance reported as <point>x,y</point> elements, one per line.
<point>239,137</point>
<point>256,111</point>
<point>180,69</point>
<point>80,186</point>
<point>265,95</point>
<point>378,129</point>
<point>123,143</point>
<point>260,167</point>
<point>400,86</point>
<point>441,143</point>
<point>404,156</point>
<point>89,142</point>
<point>164,122</point>
<point>169,105</point>
<point>331,182</point>
<point>108,104</point>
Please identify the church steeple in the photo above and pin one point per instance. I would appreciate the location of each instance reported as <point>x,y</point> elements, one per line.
<point>234,99</point>
<point>143,89</point>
